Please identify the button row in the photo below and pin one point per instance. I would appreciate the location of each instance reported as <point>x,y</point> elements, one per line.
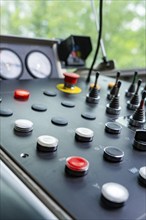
<point>76,166</point>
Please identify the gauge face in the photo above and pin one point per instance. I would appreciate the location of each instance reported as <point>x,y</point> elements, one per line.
<point>38,65</point>
<point>10,64</point>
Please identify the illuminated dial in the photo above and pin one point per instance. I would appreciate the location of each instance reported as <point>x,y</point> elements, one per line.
<point>38,65</point>
<point>10,64</point>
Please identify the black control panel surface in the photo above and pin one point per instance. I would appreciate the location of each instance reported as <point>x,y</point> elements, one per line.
<point>80,197</point>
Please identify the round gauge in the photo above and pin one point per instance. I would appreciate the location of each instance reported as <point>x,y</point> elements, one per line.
<point>38,64</point>
<point>10,64</point>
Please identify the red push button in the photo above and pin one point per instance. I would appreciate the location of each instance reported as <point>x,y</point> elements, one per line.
<point>21,94</point>
<point>77,163</point>
<point>76,166</point>
<point>71,78</point>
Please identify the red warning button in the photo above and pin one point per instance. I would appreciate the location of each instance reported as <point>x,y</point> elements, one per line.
<point>77,163</point>
<point>21,94</point>
<point>71,78</point>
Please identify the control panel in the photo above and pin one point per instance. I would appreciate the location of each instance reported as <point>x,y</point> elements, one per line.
<point>83,145</point>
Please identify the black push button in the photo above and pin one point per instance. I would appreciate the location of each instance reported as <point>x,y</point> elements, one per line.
<point>59,121</point>
<point>68,104</point>
<point>113,128</point>
<point>88,116</point>
<point>5,112</point>
<point>39,107</point>
<point>140,140</point>
<point>113,154</point>
<point>50,93</point>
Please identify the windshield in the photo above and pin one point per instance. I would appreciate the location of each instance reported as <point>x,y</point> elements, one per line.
<point>123,33</point>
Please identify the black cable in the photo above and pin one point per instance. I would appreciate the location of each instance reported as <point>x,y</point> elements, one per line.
<point>98,42</point>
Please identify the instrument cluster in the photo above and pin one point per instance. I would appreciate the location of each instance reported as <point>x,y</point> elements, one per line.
<point>22,58</point>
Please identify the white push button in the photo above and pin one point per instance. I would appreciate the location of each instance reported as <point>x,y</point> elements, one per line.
<point>142,175</point>
<point>114,194</point>
<point>47,143</point>
<point>23,125</point>
<point>84,134</point>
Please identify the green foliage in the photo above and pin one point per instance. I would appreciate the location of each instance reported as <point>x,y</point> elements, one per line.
<point>123,25</point>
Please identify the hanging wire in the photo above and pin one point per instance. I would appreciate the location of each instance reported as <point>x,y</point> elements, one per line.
<point>99,37</point>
